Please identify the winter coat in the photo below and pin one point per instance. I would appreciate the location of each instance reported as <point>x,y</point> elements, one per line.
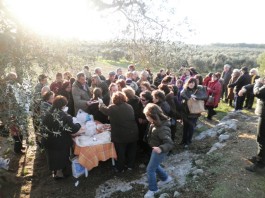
<point>259,92</point>
<point>226,76</point>
<point>243,80</point>
<point>230,93</point>
<point>80,96</point>
<point>164,106</point>
<point>216,90</point>
<point>160,136</point>
<point>58,127</point>
<point>122,121</point>
<point>206,80</point>
<point>134,102</point>
<point>200,94</point>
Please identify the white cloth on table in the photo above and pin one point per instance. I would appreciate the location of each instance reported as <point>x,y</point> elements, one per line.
<point>101,138</point>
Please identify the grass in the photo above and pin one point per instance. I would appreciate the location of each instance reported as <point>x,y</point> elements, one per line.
<point>120,63</point>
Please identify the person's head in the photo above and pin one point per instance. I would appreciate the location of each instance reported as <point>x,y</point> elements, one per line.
<point>98,71</point>
<point>146,97</point>
<point>179,83</point>
<point>154,114</point>
<point>81,78</point>
<point>121,84</point>
<point>244,70</point>
<point>187,72</point>
<point>199,79</point>
<point>72,80</point>
<point>131,67</point>
<point>95,80</point>
<point>227,67</point>
<point>166,80</point>
<point>253,72</point>
<point>236,73</point>
<point>67,75</point>
<point>162,72</point>
<point>112,76</point>
<point>11,76</point>
<point>67,86</point>
<point>86,68</point>
<point>216,76</point>
<point>42,79</point>
<point>144,75</point>
<point>48,97</point>
<point>113,87</point>
<point>135,75</point>
<point>193,71</point>
<point>44,90</point>
<point>59,77</point>
<point>158,96</point>
<point>209,74</point>
<point>118,98</point>
<point>129,92</point>
<point>145,86</point>
<point>59,102</point>
<point>119,71</point>
<point>129,75</point>
<point>191,84</point>
<point>165,88</point>
<point>97,93</point>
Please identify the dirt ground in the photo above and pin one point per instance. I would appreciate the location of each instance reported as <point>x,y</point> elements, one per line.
<point>224,171</point>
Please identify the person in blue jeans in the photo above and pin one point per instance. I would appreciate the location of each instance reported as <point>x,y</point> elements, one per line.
<point>159,139</point>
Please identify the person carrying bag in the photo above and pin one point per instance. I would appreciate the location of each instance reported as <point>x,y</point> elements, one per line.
<point>193,97</point>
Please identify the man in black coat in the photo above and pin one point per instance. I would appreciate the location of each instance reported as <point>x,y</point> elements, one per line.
<point>259,160</point>
<point>243,80</point>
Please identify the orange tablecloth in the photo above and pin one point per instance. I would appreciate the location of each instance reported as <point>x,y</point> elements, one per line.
<point>89,156</point>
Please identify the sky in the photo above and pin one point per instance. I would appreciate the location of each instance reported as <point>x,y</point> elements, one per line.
<point>214,21</point>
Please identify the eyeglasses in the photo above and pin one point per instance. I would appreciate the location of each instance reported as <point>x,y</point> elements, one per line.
<point>142,99</point>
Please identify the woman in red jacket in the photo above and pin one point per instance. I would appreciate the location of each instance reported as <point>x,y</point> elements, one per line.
<point>214,89</point>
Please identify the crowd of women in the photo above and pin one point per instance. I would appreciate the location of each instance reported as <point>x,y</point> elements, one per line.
<point>142,110</point>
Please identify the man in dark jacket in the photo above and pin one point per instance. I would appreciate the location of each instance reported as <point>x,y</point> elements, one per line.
<point>226,76</point>
<point>243,80</point>
<point>259,160</point>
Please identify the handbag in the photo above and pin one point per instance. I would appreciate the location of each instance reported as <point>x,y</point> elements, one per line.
<point>195,106</point>
<point>210,99</point>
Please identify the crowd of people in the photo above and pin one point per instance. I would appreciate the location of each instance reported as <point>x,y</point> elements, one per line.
<point>142,109</point>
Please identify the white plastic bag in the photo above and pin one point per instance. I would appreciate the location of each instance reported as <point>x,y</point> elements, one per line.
<point>82,116</point>
<point>77,168</point>
<point>91,128</point>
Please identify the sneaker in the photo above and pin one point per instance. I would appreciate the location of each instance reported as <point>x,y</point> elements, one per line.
<point>150,194</point>
<point>254,159</point>
<point>255,167</point>
<point>161,183</point>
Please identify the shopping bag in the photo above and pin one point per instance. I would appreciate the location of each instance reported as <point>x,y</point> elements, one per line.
<point>195,106</point>
<point>210,100</point>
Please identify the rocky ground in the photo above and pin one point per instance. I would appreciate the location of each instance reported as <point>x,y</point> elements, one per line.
<point>213,166</point>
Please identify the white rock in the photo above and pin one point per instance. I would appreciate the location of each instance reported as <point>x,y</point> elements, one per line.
<point>176,194</point>
<point>164,195</point>
<point>199,162</point>
<point>223,137</point>
<point>198,172</point>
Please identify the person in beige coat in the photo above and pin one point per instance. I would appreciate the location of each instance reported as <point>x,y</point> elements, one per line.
<point>81,93</point>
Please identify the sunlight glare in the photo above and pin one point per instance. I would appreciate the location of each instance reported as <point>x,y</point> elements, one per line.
<point>60,18</point>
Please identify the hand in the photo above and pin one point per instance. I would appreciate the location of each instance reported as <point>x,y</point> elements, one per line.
<point>157,149</point>
<point>240,93</point>
<point>100,101</point>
